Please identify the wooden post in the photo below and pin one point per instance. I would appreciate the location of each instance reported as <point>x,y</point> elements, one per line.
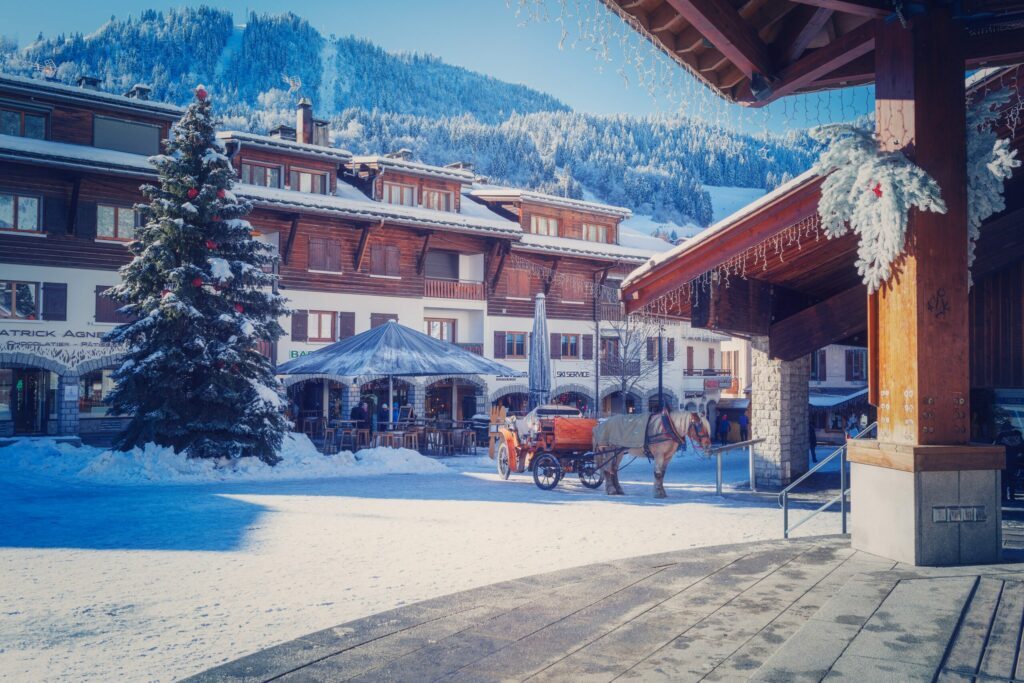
<point>919,352</point>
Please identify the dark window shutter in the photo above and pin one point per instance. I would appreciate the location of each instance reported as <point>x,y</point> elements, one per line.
<point>55,301</point>
<point>588,347</point>
<point>822,365</point>
<point>651,341</point>
<point>85,222</point>
<point>378,261</point>
<point>300,325</point>
<point>55,216</point>
<point>334,256</point>
<point>317,254</point>
<point>393,261</point>
<point>711,358</point>
<point>346,324</point>
<point>106,308</point>
<point>671,350</point>
<point>378,319</point>
<point>499,344</point>
<point>849,365</point>
<point>689,358</point>
<point>443,265</point>
<point>556,345</point>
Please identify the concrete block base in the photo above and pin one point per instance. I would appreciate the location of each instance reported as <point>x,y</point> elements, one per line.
<point>926,518</point>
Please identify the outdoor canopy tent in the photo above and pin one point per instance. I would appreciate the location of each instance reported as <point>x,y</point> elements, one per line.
<point>393,350</point>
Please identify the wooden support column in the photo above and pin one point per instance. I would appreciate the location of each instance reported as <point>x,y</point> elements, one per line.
<point>423,254</point>
<point>919,349</point>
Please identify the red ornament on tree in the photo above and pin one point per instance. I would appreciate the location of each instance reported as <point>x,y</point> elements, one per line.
<point>197,282</point>
<point>877,189</point>
<point>192,193</point>
<point>210,244</point>
<point>201,94</point>
<point>221,194</point>
<point>165,293</point>
<point>239,308</point>
<point>216,218</point>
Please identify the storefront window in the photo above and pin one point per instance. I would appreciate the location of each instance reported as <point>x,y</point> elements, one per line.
<point>6,385</point>
<point>93,388</point>
<point>19,300</point>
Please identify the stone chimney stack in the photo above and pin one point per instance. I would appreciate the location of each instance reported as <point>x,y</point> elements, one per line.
<point>139,92</point>
<point>304,122</point>
<point>89,82</point>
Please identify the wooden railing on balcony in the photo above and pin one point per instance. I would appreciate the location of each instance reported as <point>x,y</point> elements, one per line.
<point>472,347</point>
<point>610,310</point>
<point>617,367</point>
<point>453,289</point>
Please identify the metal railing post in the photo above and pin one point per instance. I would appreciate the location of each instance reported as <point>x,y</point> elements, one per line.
<point>718,474</point>
<point>842,487</point>
<point>750,462</point>
<point>785,514</point>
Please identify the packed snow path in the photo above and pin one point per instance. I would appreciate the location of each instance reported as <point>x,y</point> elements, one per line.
<point>156,581</point>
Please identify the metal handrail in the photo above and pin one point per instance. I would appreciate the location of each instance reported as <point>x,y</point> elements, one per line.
<point>717,453</point>
<point>840,498</point>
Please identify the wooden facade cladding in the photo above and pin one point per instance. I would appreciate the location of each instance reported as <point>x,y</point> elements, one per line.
<point>570,221</point>
<point>420,183</point>
<point>59,248</point>
<point>287,162</point>
<point>997,329</point>
<point>74,123</point>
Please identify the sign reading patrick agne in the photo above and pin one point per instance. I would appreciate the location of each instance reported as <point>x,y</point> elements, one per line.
<point>68,346</point>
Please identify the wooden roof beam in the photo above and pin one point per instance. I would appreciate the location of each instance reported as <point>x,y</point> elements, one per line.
<point>805,22</point>
<point>818,64</point>
<point>664,19</point>
<point>813,328</point>
<point>995,48</point>
<point>875,9</point>
<point>729,33</point>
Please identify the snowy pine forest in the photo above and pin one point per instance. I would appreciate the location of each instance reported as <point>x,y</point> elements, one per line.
<point>379,102</point>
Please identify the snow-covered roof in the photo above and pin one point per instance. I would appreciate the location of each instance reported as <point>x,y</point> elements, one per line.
<point>347,205</point>
<point>35,86</point>
<point>640,240</point>
<point>573,247</point>
<point>805,178</point>
<point>273,144</point>
<point>76,157</point>
<point>415,168</point>
<point>511,194</point>
<point>820,399</point>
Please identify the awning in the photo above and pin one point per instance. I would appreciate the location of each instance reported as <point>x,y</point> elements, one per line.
<point>733,404</point>
<point>835,399</point>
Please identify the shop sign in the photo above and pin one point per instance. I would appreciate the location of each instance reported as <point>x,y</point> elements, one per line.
<point>506,378</point>
<point>576,374</point>
<point>69,347</point>
<point>298,354</point>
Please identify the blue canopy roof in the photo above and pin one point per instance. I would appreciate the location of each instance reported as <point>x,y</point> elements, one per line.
<point>393,350</point>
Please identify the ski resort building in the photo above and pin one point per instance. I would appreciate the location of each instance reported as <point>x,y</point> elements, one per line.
<point>361,240</point>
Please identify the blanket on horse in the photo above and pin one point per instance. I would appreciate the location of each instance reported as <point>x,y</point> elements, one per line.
<point>626,431</point>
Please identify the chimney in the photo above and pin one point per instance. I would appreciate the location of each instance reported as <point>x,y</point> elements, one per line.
<point>89,82</point>
<point>321,133</point>
<point>304,122</point>
<point>404,154</point>
<point>283,132</point>
<point>139,92</point>
<point>460,165</point>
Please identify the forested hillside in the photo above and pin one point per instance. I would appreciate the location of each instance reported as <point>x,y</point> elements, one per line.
<point>379,102</point>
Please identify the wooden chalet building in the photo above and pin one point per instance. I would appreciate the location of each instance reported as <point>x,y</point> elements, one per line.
<point>361,239</point>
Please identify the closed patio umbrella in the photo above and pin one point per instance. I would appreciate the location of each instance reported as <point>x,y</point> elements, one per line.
<point>540,356</point>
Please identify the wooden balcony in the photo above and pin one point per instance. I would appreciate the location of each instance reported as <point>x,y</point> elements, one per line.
<point>472,347</point>
<point>617,367</point>
<point>454,289</point>
<point>610,310</point>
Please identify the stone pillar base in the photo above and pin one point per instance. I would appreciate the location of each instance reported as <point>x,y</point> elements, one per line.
<point>926,505</point>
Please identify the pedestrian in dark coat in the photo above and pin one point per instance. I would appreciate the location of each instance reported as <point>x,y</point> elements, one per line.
<point>812,439</point>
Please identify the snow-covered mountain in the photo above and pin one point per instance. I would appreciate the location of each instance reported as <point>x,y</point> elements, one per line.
<point>379,101</point>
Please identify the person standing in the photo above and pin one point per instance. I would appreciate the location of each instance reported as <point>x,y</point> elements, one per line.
<point>744,422</point>
<point>812,439</point>
<point>724,434</point>
<point>383,417</point>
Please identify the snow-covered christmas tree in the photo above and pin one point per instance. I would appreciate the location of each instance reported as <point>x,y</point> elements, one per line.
<point>201,299</point>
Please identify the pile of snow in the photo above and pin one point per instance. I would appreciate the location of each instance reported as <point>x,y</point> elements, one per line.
<point>159,464</point>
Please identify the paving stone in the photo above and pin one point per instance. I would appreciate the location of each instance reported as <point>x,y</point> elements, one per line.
<point>969,643</point>
<point>439,660</point>
<point>1000,656</point>
<point>809,654</point>
<point>593,669</point>
<point>870,670</point>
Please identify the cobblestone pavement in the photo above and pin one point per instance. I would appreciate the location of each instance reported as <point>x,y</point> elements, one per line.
<point>802,610</point>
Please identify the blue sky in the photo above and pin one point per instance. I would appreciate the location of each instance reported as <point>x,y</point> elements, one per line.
<point>483,35</point>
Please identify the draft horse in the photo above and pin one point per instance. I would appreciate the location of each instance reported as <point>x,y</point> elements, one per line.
<point>662,433</point>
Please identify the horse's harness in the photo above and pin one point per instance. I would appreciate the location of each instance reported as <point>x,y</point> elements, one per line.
<point>670,433</point>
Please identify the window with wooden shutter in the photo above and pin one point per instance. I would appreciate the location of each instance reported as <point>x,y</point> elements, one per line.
<point>106,308</point>
<point>711,359</point>
<point>385,260</point>
<point>55,301</point>
<point>324,255</point>
<point>19,300</point>
<point>499,344</point>
<point>671,352</point>
<point>652,344</point>
<point>819,371</point>
<point>299,325</point>
<point>689,359</point>
<point>346,324</point>
<point>378,319</point>
<point>518,283</point>
<point>442,265</point>
<point>556,345</point>
<point>588,347</point>
<point>321,326</point>
<point>856,365</point>
<point>393,261</point>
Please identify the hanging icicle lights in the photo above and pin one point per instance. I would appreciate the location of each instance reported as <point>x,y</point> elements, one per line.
<point>757,258</point>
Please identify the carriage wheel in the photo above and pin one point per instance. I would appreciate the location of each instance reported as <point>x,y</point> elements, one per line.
<point>503,467</point>
<point>546,471</point>
<point>591,475</point>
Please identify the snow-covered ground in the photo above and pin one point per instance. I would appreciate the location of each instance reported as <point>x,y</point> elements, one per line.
<point>155,581</point>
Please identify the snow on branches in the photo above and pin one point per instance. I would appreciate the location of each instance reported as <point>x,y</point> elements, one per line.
<point>990,163</point>
<point>871,193</point>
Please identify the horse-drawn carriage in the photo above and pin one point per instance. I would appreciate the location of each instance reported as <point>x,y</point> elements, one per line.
<point>550,441</point>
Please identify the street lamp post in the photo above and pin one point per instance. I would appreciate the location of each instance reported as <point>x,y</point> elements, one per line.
<point>661,368</point>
